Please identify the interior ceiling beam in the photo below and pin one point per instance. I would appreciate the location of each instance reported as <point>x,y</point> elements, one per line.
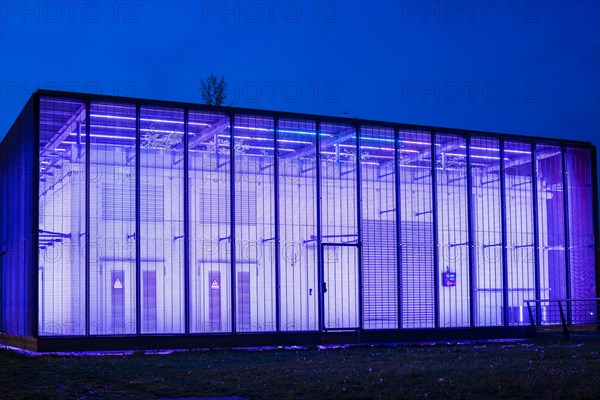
<point>450,146</point>
<point>209,132</point>
<point>64,131</point>
<point>341,137</point>
<point>524,159</point>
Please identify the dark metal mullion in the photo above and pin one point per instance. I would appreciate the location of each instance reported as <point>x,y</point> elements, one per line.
<point>233,284</point>
<point>186,222</point>
<point>359,227</point>
<point>398,224</point>
<point>277,230</point>
<point>33,296</point>
<point>536,232</point>
<point>566,202</point>
<point>504,236</point>
<point>594,166</point>
<point>436,256</point>
<point>87,214</point>
<point>138,225</point>
<point>471,234</point>
<point>320,257</point>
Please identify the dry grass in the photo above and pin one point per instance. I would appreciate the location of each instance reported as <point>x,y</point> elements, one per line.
<point>543,369</point>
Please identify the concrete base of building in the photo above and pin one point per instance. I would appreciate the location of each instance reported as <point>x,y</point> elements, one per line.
<point>203,341</point>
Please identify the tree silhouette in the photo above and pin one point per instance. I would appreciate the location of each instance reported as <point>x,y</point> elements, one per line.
<point>213,90</point>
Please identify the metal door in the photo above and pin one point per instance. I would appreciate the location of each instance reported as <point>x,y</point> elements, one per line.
<point>340,286</point>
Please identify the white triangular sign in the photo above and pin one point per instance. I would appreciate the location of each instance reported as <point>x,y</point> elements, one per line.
<point>214,284</point>
<point>118,284</point>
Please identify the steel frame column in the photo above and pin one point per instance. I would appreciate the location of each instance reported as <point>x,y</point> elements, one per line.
<point>186,223</point>
<point>138,224</point>
<point>357,128</point>
<point>471,233</point>
<point>33,272</point>
<point>233,278</point>
<point>88,200</point>
<point>277,230</point>
<point>436,244</point>
<point>2,252</point>
<point>398,224</point>
<point>504,236</point>
<point>567,217</point>
<point>536,231</point>
<point>595,214</point>
<point>321,262</point>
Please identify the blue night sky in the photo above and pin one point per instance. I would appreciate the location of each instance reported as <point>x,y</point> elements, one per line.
<point>524,67</point>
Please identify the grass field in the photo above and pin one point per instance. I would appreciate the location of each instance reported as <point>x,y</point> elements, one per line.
<point>542,369</point>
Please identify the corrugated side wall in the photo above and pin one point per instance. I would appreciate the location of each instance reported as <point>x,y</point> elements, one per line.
<point>17,244</point>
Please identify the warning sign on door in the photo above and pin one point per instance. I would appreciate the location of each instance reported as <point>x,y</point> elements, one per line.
<point>214,284</point>
<point>118,284</point>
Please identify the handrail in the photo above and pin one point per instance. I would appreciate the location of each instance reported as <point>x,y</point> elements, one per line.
<point>566,322</point>
<point>550,300</point>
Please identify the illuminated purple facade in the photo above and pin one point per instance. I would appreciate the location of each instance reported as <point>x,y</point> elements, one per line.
<point>128,222</point>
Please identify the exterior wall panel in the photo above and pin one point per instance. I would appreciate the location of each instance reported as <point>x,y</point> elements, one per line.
<point>17,246</point>
<point>298,224</point>
<point>171,219</point>
<point>581,234</point>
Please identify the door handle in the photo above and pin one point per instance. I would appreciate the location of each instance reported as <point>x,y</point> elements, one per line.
<point>324,287</point>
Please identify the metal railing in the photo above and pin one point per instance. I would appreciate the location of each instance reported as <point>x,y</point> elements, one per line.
<point>574,314</point>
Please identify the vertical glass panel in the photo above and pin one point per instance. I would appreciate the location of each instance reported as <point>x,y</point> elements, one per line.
<point>339,225</point>
<point>581,234</point>
<point>338,183</point>
<point>112,218</point>
<point>254,151</point>
<point>298,224</point>
<point>416,230</point>
<point>379,264</point>
<point>62,217</point>
<point>161,237</point>
<point>551,222</point>
<point>519,230</point>
<point>487,222</point>
<point>210,217</point>
<point>453,232</point>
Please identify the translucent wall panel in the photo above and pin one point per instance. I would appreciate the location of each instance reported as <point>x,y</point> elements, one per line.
<point>210,222</point>
<point>62,217</point>
<point>338,183</point>
<point>453,230</point>
<point>112,218</point>
<point>161,236</point>
<point>379,263</point>
<point>339,219</point>
<point>254,151</point>
<point>519,230</point>
<point>416,235</point>
<point>551,222</point>
<point>18,269</point>
<point>298,224</point>
<point>581,234</point>
<point>487,223</point>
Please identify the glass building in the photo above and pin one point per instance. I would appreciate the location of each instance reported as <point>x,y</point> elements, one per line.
<point>128,223</point>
